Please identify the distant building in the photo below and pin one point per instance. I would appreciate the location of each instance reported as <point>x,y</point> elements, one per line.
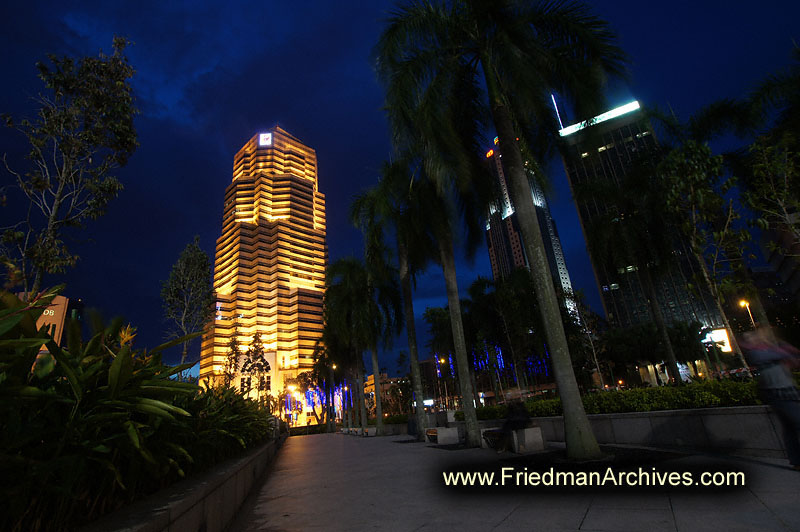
<point>391,389</point>
<point>503,237</point>
<point>269,272</point>
<point>604,148</point>
<point>55,316</point>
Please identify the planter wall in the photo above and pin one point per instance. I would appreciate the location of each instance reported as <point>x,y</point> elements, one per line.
<point>207,502</point>
<point>748,430</point>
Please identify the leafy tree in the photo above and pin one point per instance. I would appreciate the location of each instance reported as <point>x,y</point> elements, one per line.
<point>504,58</point>
<point>232,357</point>
<point>687,337</point>
<point>188,294</point>
<point>255,364</point>
<point>773,190</point>
<point>695,194</point>
<point>582,327</point>
<point>83,131</point>
<point>515,305</point>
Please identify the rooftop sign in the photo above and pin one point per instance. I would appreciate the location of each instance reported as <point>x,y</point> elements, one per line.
<point>265,139</point>
<point>608,115</point>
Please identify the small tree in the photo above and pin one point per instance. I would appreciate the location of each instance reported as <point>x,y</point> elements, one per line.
<point>773,190</point>
<point>188,294</point>
<point>255,363</point>
<point>82,132</point>
<point>232,358</point>
<point>696,196</point>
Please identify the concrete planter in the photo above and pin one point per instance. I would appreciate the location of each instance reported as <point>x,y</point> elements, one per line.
<point>208,501</point>
<point>748,430</point>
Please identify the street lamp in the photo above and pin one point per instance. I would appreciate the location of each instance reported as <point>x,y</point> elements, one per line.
<point>746,304</point>
<point>446,394</point>
<point>331,405</point>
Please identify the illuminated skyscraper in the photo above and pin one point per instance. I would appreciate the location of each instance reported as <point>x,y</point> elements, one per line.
<point>269,271</point>
<point>504,239</point>
<point>604,148</point>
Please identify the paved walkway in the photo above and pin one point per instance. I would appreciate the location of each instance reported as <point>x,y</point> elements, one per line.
<point>337,482</point>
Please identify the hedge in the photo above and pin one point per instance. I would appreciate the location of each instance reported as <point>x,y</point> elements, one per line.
<point>704,394</point>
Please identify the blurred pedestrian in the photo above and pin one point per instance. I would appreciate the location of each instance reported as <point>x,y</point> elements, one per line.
<point>774,361</point>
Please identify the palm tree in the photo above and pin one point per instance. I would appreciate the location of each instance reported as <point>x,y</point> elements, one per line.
<point>780,93</point>
<point>510,56</point>
<point>446,208</point>
<point>443,208</point>
<point>362,309</point>
<point>395,203</point>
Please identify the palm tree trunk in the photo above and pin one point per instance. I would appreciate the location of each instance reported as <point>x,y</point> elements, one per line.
<point>473,432</point>
<point>411,330</point>
<point>378,399</point>
<point>362,407</point>
<point>474,382</point>
<point>658,317</point>
<point>580,441</point>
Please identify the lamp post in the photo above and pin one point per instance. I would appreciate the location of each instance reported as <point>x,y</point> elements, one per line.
<point>446,394</point>
<point>746,304</point>
<point>331,400</point>
<point>291,389</point>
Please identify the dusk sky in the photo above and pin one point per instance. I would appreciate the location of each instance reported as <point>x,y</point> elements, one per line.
<point>210,75</point>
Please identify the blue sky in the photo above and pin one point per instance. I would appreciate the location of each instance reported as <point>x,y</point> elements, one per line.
<point>210,75</point>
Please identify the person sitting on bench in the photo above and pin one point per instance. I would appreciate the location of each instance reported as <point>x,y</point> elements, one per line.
<point>517,418</point>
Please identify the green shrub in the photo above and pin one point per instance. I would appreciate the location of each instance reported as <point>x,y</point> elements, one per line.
<point>307,429</point>
<point>396,419</point>
<point>91,426</point>
<point>544,407</point>
<point>704,394</point>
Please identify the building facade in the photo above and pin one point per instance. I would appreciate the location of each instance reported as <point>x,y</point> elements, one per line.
<point>604,149</point>
<point>56,316</point>
<point>504,239</point>
<point>269,270</point>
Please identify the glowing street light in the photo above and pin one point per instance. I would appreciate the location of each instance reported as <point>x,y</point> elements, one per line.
<point>746,304</point>
<point>446,394</point>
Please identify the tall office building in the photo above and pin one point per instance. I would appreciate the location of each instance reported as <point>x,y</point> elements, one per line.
<point>604,148</point>
<point>503,237</point>
<point>269,271</point>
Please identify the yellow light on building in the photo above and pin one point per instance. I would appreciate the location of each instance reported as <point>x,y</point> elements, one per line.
<point>269,268</point>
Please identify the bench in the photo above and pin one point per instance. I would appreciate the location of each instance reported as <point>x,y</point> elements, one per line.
<point>442,435</point>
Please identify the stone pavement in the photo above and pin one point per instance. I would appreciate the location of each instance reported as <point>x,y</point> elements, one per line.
<point>337,482</point>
